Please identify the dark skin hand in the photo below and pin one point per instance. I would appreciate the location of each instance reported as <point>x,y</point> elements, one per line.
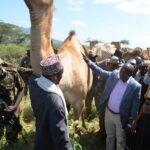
<point>86,59</point>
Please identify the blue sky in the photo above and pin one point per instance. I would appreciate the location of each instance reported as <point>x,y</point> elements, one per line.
<point>106,20</point>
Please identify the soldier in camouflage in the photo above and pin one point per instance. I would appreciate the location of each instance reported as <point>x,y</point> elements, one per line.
<point>11,93</point>
<point>25,62</point>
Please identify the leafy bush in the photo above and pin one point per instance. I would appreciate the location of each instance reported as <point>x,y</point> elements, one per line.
<point>13,53</point>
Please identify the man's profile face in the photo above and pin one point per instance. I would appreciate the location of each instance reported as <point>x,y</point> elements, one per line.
<point>59,76</point>
<point>113,66</point>
<point>143,70</point>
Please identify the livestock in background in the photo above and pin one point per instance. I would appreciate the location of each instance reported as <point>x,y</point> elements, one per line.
<point>103,52</point>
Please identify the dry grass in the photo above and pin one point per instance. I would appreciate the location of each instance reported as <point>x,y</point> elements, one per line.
<point>89,139</point>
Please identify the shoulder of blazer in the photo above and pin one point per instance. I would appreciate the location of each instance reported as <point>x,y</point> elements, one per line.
<point>115,74</point>
<point>135,83</point>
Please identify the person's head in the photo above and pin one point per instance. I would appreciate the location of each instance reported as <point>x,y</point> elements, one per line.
<point>143,68</point>
<point>52,68</point>
<point>126,72</point>
<point>132,62</point>
<point>118,53</point>
<point>28,53</point>
<point>113,63</point>
<point>92,55</point>
<point>138,60</point>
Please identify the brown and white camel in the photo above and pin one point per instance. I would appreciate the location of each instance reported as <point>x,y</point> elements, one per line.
<point>104,52</point>
<point>77,78</point>
<point>116,44</point>
<point>132,53</point>
<point>146,54</point>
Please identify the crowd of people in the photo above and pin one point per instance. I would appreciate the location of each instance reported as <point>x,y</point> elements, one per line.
<point>121,90</point>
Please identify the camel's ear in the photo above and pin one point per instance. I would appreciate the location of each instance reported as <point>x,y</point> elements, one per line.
<point>72,33</point>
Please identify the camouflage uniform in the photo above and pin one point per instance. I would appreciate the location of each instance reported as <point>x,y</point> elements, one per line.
<point>8,83</point>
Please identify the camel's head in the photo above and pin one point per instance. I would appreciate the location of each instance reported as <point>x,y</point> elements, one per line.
<point>35,5</point>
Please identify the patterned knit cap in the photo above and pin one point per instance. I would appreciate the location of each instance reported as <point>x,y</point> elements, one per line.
<point>51,65</point>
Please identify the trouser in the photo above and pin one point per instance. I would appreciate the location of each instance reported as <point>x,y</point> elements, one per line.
<point>8,120</point>
<point>12,126</point>
<point>102,123</point>
<point>114,132</point>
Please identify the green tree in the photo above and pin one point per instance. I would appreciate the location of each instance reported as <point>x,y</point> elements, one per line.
<point>93,43</point>
<point>10,33</point>
<point>125,42</point>
<point>22,38</point>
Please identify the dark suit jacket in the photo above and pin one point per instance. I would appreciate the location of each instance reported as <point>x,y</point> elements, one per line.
<point>51,123</point>
<point>131,98</point>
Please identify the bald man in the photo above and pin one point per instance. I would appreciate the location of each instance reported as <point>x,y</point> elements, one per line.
<point>121,100</point>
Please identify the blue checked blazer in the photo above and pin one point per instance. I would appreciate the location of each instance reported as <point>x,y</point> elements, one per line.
<point>131,99</point>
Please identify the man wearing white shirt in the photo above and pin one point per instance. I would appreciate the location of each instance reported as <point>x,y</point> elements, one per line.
<point>121,100</point>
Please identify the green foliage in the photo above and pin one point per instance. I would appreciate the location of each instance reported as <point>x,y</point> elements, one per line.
<point>56,46</point>
<point>10,33</point>
<point>93,42</point>
<point>125,42</point>
<point>75,126</point>
<point>76,140</point>
<point>28,115</point>
<point>13,53</point>
<point>22,144</point>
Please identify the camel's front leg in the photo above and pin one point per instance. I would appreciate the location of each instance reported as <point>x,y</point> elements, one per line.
<point>77,108</point>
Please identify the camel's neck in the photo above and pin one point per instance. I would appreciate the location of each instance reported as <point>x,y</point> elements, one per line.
<point>41,23</point>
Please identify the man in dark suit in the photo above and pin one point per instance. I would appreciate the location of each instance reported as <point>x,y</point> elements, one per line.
<point>120,99</point>
<point>49,107</point>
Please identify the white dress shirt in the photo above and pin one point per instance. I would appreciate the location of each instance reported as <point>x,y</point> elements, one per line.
<point>117,95</point>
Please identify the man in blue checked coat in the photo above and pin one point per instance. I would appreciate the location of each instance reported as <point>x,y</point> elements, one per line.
<point>121,100</point>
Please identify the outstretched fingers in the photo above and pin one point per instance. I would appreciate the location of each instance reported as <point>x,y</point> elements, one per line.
<point>86,59</point>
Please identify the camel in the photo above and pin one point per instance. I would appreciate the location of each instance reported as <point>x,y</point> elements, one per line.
<point>104,52</point>
<point>77,78</point>
<point>146,54</point>
<point>130,54</point>
<point>116,44</point>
